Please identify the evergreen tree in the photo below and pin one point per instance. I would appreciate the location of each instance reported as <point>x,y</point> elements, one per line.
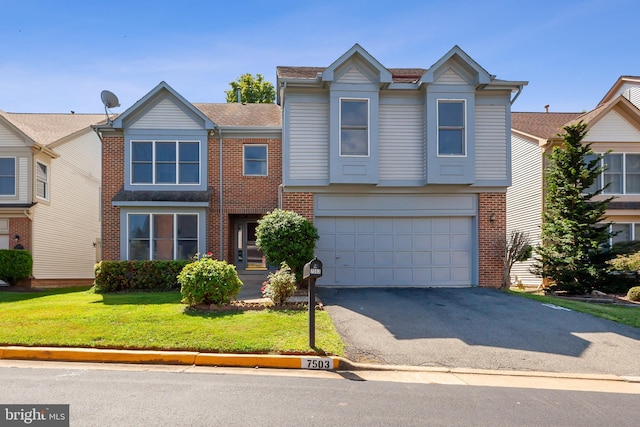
<point>574,234</point>
<point>253,90</point>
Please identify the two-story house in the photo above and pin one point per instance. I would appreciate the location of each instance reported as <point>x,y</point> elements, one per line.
<point>50,193</point>
<point>404,171</point>
<point>182,178</point>
<point>614,124</point>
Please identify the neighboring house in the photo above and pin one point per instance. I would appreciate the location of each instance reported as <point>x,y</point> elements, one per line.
<point>50,193</point>
<point>404,171</point>
<point>613,125</point>
<point>181,178</point>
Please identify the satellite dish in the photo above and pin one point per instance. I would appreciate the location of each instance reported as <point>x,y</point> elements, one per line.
<point>110,100</point>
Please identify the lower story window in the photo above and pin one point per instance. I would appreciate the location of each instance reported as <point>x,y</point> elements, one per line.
<point>625,232</point>
<point>166,236</point>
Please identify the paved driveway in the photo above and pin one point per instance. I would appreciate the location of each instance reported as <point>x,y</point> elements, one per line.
<point>477,328</point>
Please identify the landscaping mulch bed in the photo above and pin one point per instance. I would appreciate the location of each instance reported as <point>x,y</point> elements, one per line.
<point>599,298</point>
<point>239,306</point>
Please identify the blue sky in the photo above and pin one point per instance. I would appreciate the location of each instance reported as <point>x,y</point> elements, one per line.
<point>58,56</point>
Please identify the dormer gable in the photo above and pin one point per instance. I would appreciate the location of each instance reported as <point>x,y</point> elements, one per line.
<point>456,65</point>
<point>163,108</point>
<point>357,64</point>
<point>615,121</point>
<point>629,86</point>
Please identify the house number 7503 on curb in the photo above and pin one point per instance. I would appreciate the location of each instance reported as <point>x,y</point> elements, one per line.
<point>325,363</point>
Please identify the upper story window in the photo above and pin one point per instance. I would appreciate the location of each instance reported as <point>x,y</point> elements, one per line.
<point>42,181</point>
<point>451,128</point>
<point>165,162</point>
<point>622,173</point>
<point>254,160</point>
<point>7,176</point>
<point>162,236</point>
<point>354,127</point>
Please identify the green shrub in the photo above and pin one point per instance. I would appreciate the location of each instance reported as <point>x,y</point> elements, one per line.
<point>281,285</point>
<point>209,281</point>
<point>15,265</point>
<point>115,276</point>
<point>285,236</point>
<point>634,293</point>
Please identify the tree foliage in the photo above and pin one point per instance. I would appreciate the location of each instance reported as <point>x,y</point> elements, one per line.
<point>574,234</point>
<point>285,236</point>
<point>253,90</point>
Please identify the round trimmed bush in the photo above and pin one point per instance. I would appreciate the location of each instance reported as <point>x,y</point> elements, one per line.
<point>209,281</point>
<point>634,294</point>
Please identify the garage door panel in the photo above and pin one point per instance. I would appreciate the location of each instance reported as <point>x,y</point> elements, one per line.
<point>387,251</point>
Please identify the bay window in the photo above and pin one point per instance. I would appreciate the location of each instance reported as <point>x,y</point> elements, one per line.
<point>162,236</point>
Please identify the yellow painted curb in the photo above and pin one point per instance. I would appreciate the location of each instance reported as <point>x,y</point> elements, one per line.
<point>255,360</point>
<point>99,355</point>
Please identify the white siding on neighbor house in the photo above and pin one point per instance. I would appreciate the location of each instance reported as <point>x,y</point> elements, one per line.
<point>165,115</point>
<point>402,142</point>
<point>65,228</point>
<point>23,180</point>
<point>613,127</point>
<point>9,139</point>
<point>450,77</point>
<point>524,200</point>
<point>633,95</point>
<point>308,140</point>
<point>491,143</point>
<point>353,75</point>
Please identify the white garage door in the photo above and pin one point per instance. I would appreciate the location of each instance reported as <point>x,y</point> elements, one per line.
<point>383,251</point>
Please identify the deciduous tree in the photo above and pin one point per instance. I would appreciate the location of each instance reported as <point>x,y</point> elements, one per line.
<point>253,90</point>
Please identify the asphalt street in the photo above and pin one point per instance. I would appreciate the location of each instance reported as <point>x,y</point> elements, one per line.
<point>171,396</point>
<point>477,328</point>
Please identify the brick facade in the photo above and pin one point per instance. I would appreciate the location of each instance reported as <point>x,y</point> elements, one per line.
<point>301,203</point>
<point>242,196</point>
<point>20,227</point>
<point>492,228</point>
<point>246,196</point>
<point>112,182</point>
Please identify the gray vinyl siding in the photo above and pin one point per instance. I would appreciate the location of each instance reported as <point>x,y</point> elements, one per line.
<point>402,143</point>
<point>165,115</point>
<point>524,200</point>
<point>353,75</point>
<point>491,143</point>
<point>308,149</point>
<point>450,77</point>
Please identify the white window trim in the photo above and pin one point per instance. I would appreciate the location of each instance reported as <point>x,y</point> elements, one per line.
<point>266,159</point>
<point>632,234</point>
<point>600,178</point>
<point>340,127</point>
<point>47,186</point>
<point>15,176</point>
<point>175,231</point>
<point>153,162</point>
<point>465,126</point>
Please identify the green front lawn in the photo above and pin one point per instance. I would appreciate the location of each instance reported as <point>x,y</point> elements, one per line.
<point>154,320</point>
<point>622,314</point>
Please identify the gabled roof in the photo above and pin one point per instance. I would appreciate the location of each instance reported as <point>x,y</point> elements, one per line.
<point>549,125</point>
<point>456,53</point>
<point>357,50</point>
<point>616,86</point>
<point>151,96</point>
<point>242,115</point>
<point>398,75</point>
<point>541,125</point>
<point>48,129</point>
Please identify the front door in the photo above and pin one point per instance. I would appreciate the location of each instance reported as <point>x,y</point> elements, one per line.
<point>248,256</point>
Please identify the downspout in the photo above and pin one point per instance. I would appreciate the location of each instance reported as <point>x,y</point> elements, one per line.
<point>517,94</point>
<point>220,196</point>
